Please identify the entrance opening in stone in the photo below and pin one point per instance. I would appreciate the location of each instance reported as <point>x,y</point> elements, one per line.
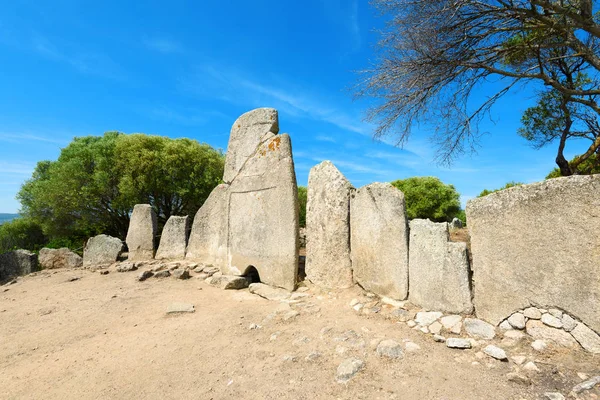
<point>252,274</point>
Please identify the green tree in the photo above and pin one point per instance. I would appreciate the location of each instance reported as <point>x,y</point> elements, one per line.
<point>588,167</point>
<point>21,233</point>
<point>97,180</point>
<point>485,192</point>
<point>429,197</point>
<point>302,205</point>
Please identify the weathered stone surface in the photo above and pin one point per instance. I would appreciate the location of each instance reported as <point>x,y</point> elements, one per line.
<point>247,133</point>
<point>141,233</point>
<point>517,321</point>
<point>176,308</point>
<point>390,348</point>
<point>452,323</point>
<point>173,239</point>
<point>538,330</point>
<point>269,292</point>
<point>532,313</point>
<point>59,258</point>
<point>145,275</point>
<point>552,321</point>
<point>181,273</point>
<point>228,282</point>
<point>495,352</point>
<point>568,322</point>
<point>586,385</point>
<point>263,216</point>
<point>126,267</point>
<point>479,329</point>
<point>524,249</point>
<point>427,318</point>
<point>102,250</point>
<point>328,259</point>
<point>208,238</point>
<point>587,338</point>
<point>438,269</point>
<point>348,368</point>
<point>379,240</point>
<point>16,263</point>
<point>458,343</point>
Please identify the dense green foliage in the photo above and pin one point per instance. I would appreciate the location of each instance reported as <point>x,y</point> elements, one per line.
<point>587,167</point>
<point>485,192</point>
<point>302,205</point>
<point>21,233</point>
<point>429,197</point>
<point>97,180</point>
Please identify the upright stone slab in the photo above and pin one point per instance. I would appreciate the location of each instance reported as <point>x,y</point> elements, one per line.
<point>173,239</point>
<point>247,133</point>
<point>102,250</point>
<point>141,233</point>
<point>59,258</point>
<point>17,263</point>
<point>438,269</point>
<point>379,240</point>
<point>328,262</point>
<point>538,244</point>
<point>208,239</point>
<point>252,220</point>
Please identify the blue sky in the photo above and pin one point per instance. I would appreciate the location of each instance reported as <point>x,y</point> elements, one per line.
<point>190,68</point>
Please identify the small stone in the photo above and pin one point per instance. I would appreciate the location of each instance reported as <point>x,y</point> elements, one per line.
<point>411,347</point>
<point>519,360</point>
<point>228,282</point>
<point>254,327</point>
<point>411,324</point>
<point>479,329</point>
<point>505,325</point>
<point>555,313</point>
<point>390,348</point>
<point>290,358</point>
<point>439,339</point>
<point>126,267</point>
<point>530,366</point>
<point>495,352</point>
<point>274,336</point>
<point>587,385</point>
<point>450,321</point>
<point>393,303</point>
<point>539,345</point>
<point>290,315</point>
<point>162,274</point>
<point>569,323</point>
<point>587,338</point>
<point>73,279</point>
<point>513,334</point>
<point>532,313</point>
<point>427,318</point>
<point>312,356</point>
<point>145,275</point>
<point>554,396</point>
<point>181,274</point>
<point>348,368</point>
<point>435,328</point>
<point>358,307</point>
<point>458,343</point>
<point>104,272</point>
<point>518,378</point>
<point>354,302</point>
<point>402,315</point>
<point>517,321</point>
<point>552,321</point>
<point>175,308</point>
<point>424,329</point>
<point>583,376</point>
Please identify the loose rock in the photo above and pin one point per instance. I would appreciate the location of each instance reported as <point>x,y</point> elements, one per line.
<point>552,321</point>
<point>427,318</point>
<point>495,352</point>
<point>587,385</point>
<point>145,275</point>
<point>181,274</point>
<point>517,321</point>
<point>479,329</point>
<point>348,368</point>
<point>390,348</point>
<point>587,338</point>
<point>532,313</point>
<point>458,343</point>
<point>175,308</point>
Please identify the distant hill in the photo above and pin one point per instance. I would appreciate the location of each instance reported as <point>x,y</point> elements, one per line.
<point>7,217</point>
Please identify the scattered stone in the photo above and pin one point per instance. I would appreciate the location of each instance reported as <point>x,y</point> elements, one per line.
<point>531,367</point>
<point>354,302</point>
<point>162,274</point>
<point>358,307</point>
<point>141,233</point>
<point>402,315</point>
<point>458,343</point>
<point>173,239</point>
<point>73,279</point>
<point>568,322</point>
<point>145,275</point>
<point>517,321</point>
<point>102,250</point>
<point>290,358</point>
<point>532,313</point>
<point>539,345</point>
<point>253,327</point>
<point>348,368</point>
<point>427,318</point>
<point>514,335</point>
<point>126,267</point>
<point>587,385</point>
<point>411,324</point>
<point>518,359</point>
<point>451,321</point>
<point>210,270</point>
<point>555,313</point>
<point>439,338</point>
<point>390,348</point>
<point>269,292</point>
<point>290,315</point>
<point>495,352</point>
<point>435,328</point>
<point>228,282</point>
<point>587,338</point>
<point>583,376</point>
<point>175,308</point>
<point>554,396</point>
<point>393,303</point>
<point>538,330</point>
<point>104,272</point>
<point>313,355</point>
<point>505,325</point>
<point>552,321</point>
<point>181,274</point>
<point>411,347</point>
<point>59,258</point>
<point>518,378</point>
<point>479,329</point>
<point>424,329</point>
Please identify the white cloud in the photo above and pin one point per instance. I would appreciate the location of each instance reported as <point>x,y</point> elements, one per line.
<point>18,169</point>
<point>25,137</point>
<point>322,138</point>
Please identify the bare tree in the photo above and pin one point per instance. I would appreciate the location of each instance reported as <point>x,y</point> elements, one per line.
<point>434,53</point>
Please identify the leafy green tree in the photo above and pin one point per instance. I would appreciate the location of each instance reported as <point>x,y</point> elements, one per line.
<point>429,197</point>
<point>588,167</point>
<point>485,192</point>
<point>97,180</point>
<point>302,205</point>
<point>21,233</point>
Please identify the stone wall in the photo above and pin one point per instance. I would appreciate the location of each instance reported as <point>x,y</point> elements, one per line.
<point>538,244</point>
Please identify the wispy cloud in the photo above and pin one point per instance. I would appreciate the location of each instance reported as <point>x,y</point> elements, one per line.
<point>26,137</point>
<point>354,26</point>
<point>322,138</point>
<point>163,45</point>
<point>16,168</point>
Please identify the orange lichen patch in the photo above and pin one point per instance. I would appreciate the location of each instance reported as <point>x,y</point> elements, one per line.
<point>275,143</point>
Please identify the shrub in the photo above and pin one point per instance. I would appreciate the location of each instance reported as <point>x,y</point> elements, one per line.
<point>429,197</point>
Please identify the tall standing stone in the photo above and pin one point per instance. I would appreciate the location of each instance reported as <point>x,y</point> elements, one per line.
<point>328,262</point>
<point>173,239</point>
<point>438,269</point>
<point>141,233</point>
<point>538,244</point>
<point>251,221</point>
<point>379,240</point>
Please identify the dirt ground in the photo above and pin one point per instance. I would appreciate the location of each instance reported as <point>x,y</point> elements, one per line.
<point>109,337</point>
